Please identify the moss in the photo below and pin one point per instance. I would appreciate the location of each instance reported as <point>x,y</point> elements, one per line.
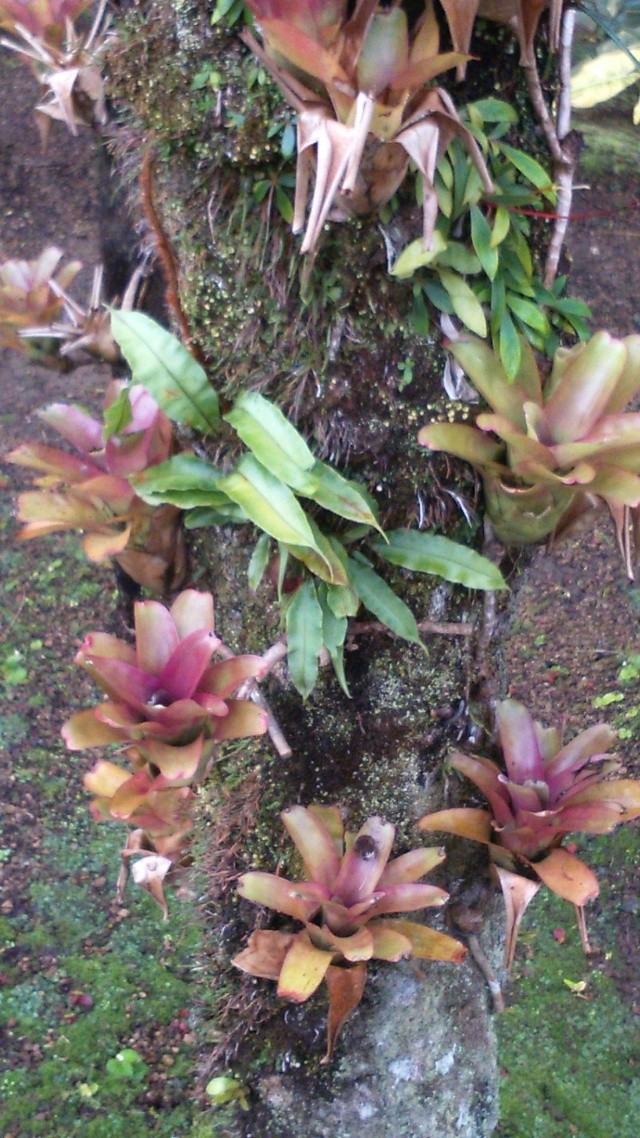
<point>571,1059</point>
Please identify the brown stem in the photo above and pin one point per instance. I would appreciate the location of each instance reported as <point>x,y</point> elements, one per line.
<point>478,954</point>
<point>564,168</point>
<point>251,690</point>
<point>166,255</point>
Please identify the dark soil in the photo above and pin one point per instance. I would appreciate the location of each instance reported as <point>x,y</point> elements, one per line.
<point>571,631</point>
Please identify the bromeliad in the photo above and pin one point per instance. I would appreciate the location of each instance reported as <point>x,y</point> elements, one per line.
<point>349,889</point>
<point>30,292</point>
<point>65,62</point>
<point>550,448</point>
<point>89,490</point>
<point>357,77</point>
<point>548,791</point>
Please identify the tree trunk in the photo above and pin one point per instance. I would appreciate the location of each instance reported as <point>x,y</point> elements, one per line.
<point>333,343</point>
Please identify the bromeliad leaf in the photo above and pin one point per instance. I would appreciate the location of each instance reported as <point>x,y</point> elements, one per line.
<point>432,553</point>
<point>381,600</point>
<point>183,480</point>
<point>273,439</point>
<point>168,371</point>
<point>268,502</point>
<point>304,637</point>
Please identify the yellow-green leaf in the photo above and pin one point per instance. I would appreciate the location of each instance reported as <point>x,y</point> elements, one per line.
<point>465,303</point>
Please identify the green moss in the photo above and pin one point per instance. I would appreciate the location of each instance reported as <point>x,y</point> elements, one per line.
<point>571,1059</point>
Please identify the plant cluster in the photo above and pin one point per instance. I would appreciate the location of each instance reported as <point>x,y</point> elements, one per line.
<point>90,490</point>
<point>332,575</point>
<point>30,294</point>
<point>65,62</point>
<point>344,903</point>
<point>356,80</point>
<point>168,707</point>
<point>548,790</point>
<point>357,75</point>
<point>480,267</point>
<point>551,448</point>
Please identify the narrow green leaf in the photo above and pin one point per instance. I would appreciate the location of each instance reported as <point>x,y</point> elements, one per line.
<point>501,226</point>
<point>259,561</point>
<point>465,304</point>
<point>325,564</point>
<point>183,480</point>
<point>334,631</point>
<point>304,637</point>
<point>415,256</point>
<point>530,168</point>
<point>457,256</point>
<point>495,110</point>
<point>509,346</point>
<point>432,553</point>
<point>342,600</point>
<point>168,371</point>
<point>268,502</point>
<point>345,498</point>
<point>481,238</point>
<point>273,439</point>
<point>117,415</point>
<point>529,312</point>
<point>381,600</point>
<point>283,564</point>
<point>201,516</point>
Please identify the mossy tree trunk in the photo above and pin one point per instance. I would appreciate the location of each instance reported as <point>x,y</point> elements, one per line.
<point>333,343</point>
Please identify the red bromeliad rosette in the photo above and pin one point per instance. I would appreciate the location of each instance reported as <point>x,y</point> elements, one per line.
<point>168,702</point>
<point>548,791</point>
<point>349,889</point>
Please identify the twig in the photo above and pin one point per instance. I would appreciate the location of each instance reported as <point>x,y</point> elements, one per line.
<point>166,255</point>
<point>565,168</point>
<point>251,690</point>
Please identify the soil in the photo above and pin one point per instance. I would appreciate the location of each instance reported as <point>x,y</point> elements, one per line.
<point>570,627</point>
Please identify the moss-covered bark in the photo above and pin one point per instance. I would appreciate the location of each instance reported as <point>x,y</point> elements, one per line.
<point>332,343</point>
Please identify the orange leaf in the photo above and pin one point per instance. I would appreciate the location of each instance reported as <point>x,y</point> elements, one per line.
<point>345,986</point>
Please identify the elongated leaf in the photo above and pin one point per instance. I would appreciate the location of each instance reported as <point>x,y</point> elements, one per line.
<point>334,631</point>
<point>381,600</point>
<point>184,480</point>
<point>325,563</point>
<point>168,371</point>
<point>532,170</point>
<point>258,562</point>
<point>510,348</point>
<point>345,498</point>
<point>529,312</point>
<point>414,256</point>
<point>432,553</point>
<point>268,502</point>
<point>304,637</point>
<point>228,514</point>
<point>481,237</point>
<point>273,439</point>
<point>501,226</point>
<point>464,302</point>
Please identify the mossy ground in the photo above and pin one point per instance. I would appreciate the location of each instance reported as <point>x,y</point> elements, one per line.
<point>82,978</point>
<point>570,1056</point>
